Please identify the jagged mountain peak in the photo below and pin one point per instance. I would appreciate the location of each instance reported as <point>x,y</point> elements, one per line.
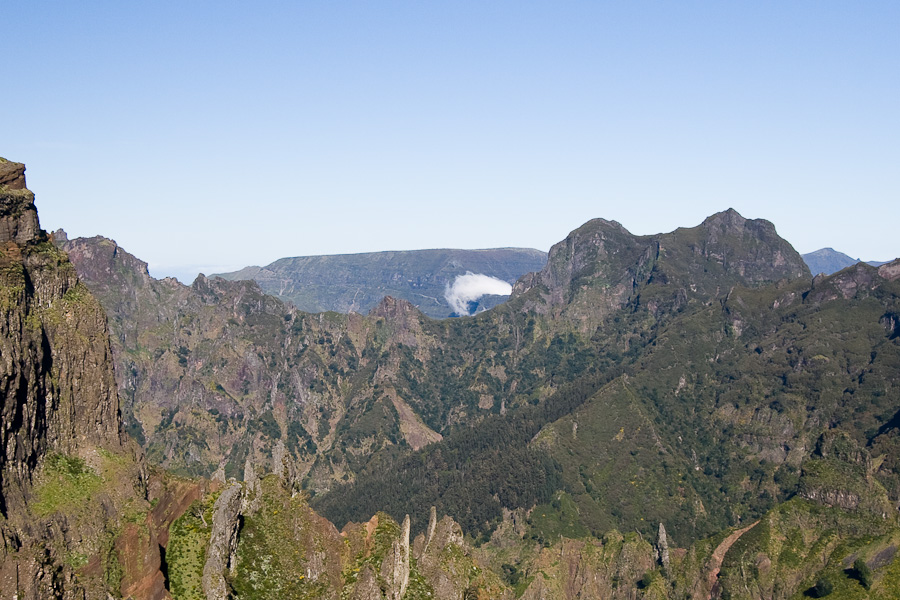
<point>748,251</point>
<point>394,309</point>
<point>18,216</point>
<point>857,280</point>
<point>102,259</point>
<point>731,222</point>
<point>601,266</point>
<point>600,224</point>
<point>213,289</point>
<point>12,174</point>
<point>726,218</point>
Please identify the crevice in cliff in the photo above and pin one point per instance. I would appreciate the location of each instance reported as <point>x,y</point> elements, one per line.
<point>14,428</point>
<point>164,567</point>
<point>49,397</point>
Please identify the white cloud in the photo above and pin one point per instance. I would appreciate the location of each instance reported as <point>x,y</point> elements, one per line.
<point>472,286</point>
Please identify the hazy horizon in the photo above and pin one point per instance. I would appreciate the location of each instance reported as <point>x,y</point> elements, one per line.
<point>200,135</point>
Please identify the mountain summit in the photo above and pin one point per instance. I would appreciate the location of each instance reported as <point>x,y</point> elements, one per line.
<point>600,267</point>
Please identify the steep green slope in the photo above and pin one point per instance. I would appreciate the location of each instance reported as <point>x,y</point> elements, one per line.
<point>841,515</point>
<point>711,425</point>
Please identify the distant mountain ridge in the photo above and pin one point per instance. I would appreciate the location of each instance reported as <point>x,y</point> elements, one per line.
<point>829,261</point>
<point>357,282</point>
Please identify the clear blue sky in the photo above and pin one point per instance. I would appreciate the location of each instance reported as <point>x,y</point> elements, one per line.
<point>213,135</point>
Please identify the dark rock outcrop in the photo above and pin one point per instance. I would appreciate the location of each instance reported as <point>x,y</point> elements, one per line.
<point>222,542</point>
<point>18,216</point>
<point>662,548</point>
<point>857,281</point>
<point>12,175</point>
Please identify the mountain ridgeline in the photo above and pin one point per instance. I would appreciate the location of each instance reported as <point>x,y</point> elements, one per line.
<point>357,282</point>
<point>830,261</point>
<point>688,414</point>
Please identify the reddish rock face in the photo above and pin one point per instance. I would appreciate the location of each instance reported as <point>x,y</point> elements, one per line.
<point>140,552</point>
<point>12,175</point>
<point>173,497</point>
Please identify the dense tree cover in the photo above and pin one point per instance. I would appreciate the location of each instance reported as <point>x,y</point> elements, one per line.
<point>863,573</point>
<point>471,474</point>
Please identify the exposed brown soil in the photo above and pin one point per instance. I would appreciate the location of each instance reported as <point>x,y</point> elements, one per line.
<point>718,555</point>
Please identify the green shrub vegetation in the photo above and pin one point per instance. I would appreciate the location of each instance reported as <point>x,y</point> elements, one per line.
<point>186,551</point>
<point>272,548</point>
<point>863,573</point>
<point>68,484</point>
<point>823,588</point>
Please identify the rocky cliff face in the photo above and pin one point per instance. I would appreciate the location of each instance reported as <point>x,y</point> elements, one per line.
<point>18,217</point>
<point>203,359</point>
<point>60,413</point>
<point>56,385</point>
<point>12,175</point>
<point>600,267</point>
<point>858,280</point>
